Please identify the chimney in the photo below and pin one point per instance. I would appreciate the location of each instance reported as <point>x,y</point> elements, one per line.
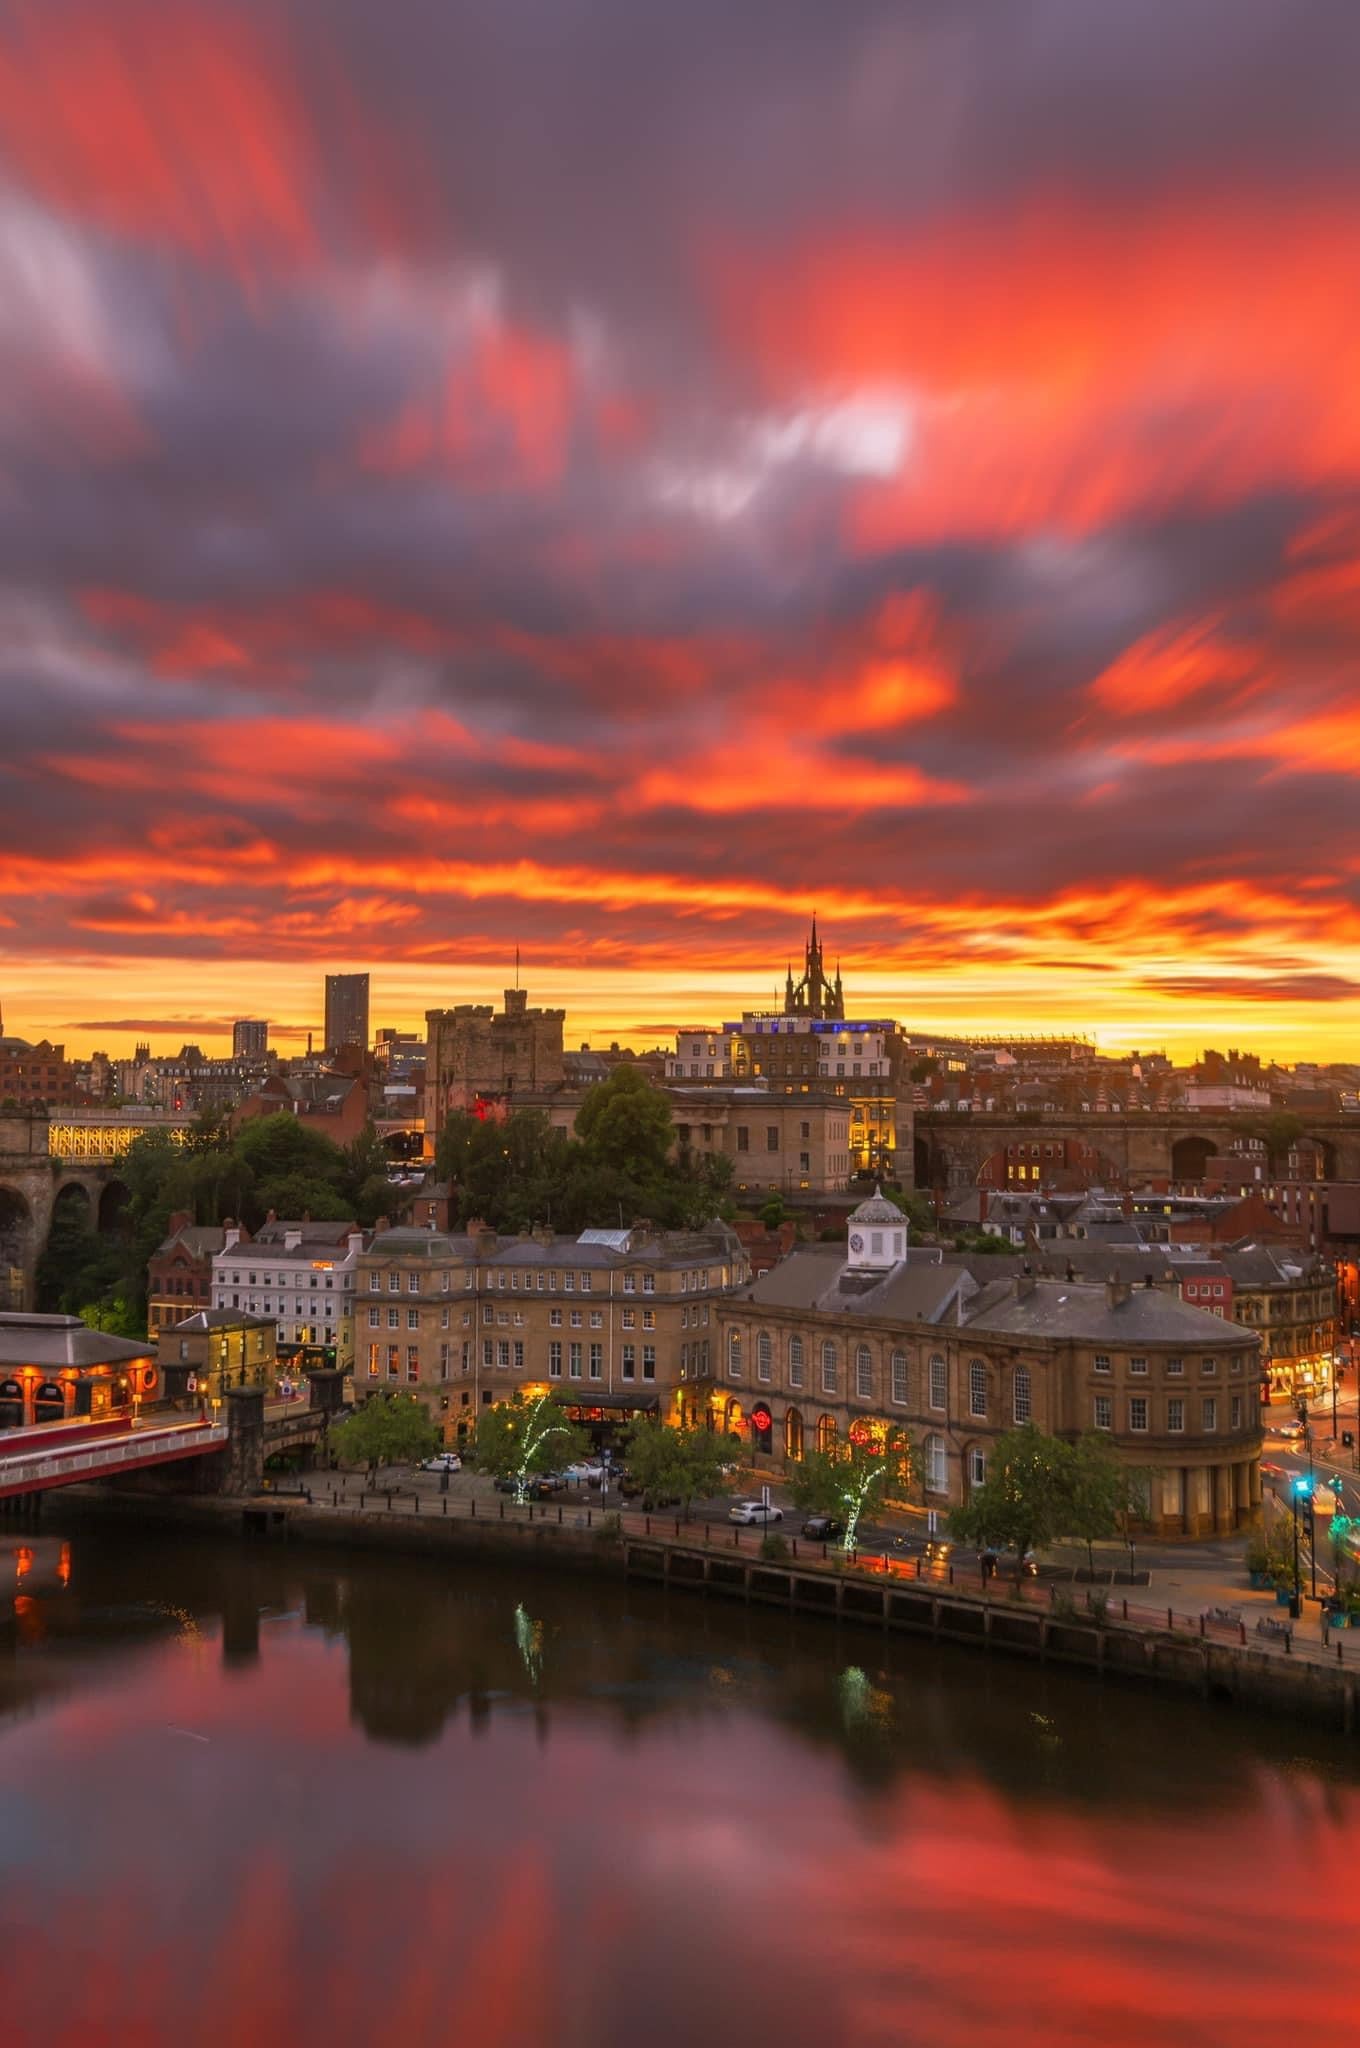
<point>1147,1279</point>
<point>382,1223</point>
<point>355,1241</point>
<point>270,1217</point>
<point>180,1219</point>
<point>1117,1291</point>
<point>230,1237</point>
<point>291,1240</point>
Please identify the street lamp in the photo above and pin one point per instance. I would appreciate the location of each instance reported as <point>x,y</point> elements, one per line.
<point>1297,1492</point>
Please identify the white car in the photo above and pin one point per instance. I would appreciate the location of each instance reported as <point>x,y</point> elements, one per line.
<point>442,1461</point>
<point>753,1511</point>
<point>588,1470</point>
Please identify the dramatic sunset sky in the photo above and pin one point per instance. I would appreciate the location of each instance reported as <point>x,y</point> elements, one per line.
<point>612,477</point>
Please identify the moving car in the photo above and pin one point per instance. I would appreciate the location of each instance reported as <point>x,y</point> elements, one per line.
<point>823,1528</point>
<point>1291,1429</point>
<point>442,1461</point>
<point>753,1511</point>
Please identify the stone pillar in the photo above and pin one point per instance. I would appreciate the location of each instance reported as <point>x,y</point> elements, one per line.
<point>244,1453</point>
<point>328,1390</point>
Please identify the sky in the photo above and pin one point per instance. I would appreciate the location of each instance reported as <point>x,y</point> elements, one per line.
<point>611,478</point>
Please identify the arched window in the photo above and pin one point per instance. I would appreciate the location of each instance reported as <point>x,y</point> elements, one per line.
<point>793,1435</point>
<point>977,1388</point>
<point>937,1465</point>
<point>1024,1395</point>
<point>795,1361</point>
<point>764,1356</point>
<point>864,1373</point>
<point>939,1382</point>
<point>734,1421</point>
<point>734,1354</point>
<point>828,1367</point>
<point>826,1432</point>
<point>899,1378</point>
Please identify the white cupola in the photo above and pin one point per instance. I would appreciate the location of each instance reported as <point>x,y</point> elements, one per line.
<point>878,1235</point>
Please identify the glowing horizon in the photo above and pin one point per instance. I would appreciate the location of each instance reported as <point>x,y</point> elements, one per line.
<point>830,463</point>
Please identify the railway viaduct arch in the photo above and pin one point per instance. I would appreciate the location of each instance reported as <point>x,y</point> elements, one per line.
<point>953,1146</point>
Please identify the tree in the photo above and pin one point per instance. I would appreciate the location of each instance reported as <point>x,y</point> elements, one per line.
<point>677,1464</point>
<point>388,1430</point>
<point>854,1477</point>
<point>1025,1501</point>
<point>625,1123</point>
<point>773,1212</point>
<point>1098,1491</point>
<point>517,1438</point>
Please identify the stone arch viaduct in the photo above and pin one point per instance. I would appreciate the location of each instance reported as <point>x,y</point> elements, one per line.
<point>44,1160</point>
<point>952,1146</point>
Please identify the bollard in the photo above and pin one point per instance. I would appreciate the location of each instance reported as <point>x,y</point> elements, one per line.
<point>502,1508</point>
<point>1201,1619</point>
<point>417,1503</point>
<point>951,1574</point>
<point>1126,1615</point>
<point>474,1507</point>
<point>559,1518</point>
<point>389,1500</point>
<point>587,1518</point>
<point>736,1534</point>
<point>1242,1633</point>
<point>1288,1642</point>
<point>677,1526</point>
<point>1338,1649</point>
<point>444,1504</point>
<point>531,1511</point>
<point>1170,1619</point>
<point>705,1535</point>
<point>794,1541</point>
<point>646,1525</point>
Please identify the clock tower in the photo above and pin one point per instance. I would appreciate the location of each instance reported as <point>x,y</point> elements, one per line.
<point>878,1235</point>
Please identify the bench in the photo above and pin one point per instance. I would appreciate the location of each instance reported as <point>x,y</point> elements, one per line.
<point>1268,1626</point>
<point>1228,1617</point>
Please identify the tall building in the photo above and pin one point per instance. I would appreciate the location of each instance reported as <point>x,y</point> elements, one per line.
<point>346,1011</point>
<point>249,1038</point>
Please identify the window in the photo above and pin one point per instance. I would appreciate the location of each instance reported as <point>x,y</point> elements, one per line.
<point>555,1359</point>
<point>393,1283</point>
<point>374,1355</point>
<point>649,1361</point>
<point>1138,1365</point>
<point>554,1318</point>
<point>393,1318</point>
<point>1175,1417</point>
<point>503,1353</point>
<point>771,1137</point>
<point>939,1381</point>
<point>630,1283</point>
<point>764,1356</point>
<point>1101,1361</point>
<point>1236,1412</point>
<point>568,1283</point>
<point>649,1319</point>
<point>413,1361</point>
<point>734,1355</point>
<point>413,1318</point>
<point>649,1283</point>
<point>597,1319</point>
<point>1209,1412</point>
<point>1208,1367</point>
<point>743,1138</point>
<point>576,1319</point>
<point>375,1283</point>
<point>443,1361</point>
<point>519,1354</point>
<point>597,1361</point>
<point>1022,1394</point>
<point>486,1351</point>
<point>1175,1367</point>
<point>393,1360</point>
<point>375,1319</point>
<point>795,1361</point>
<point>899,1377</point>
<point>1102,1413</point>
<point>977,1388</point>
<point>864,1373</point>
<point>444,1318</point>
<point>627,1317</point>
<point>574,1361</point>
<point>937,1465</point>
<point>629,1355</point>
<point>585,1283</point>
<point>977,1468</point>
<point>413,1283</point>
<point>828,1368</point>
<point>1138,1411</point>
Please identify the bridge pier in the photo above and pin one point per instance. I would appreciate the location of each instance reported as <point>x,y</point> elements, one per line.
<point>243,1459</point>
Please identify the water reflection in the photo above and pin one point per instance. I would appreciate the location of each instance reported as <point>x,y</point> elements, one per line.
<point>266,1797</point>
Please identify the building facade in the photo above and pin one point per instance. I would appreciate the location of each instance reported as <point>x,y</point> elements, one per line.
<point>249,1038</point>
<point>180,1271</point>
<point>859,1061</point>
<point>302,1276</point>
<point>477,1056</point>
<point>57,1369</point>
<point>215,1349</point>
<point>614,1323</point>
<point>851,1340</point>
<point>346,1011</point>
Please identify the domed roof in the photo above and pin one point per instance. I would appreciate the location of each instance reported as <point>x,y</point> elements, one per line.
<point>878,1209</point>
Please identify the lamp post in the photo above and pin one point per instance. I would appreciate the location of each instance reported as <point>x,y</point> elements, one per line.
<point>1297,1491</point>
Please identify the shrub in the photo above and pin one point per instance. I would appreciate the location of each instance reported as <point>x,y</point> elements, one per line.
<point>609,1528</point>
<point>773,1548</point>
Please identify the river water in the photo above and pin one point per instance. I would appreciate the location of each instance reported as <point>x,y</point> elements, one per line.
<point>250,1796</point>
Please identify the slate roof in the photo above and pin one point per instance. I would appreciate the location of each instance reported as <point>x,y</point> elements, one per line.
<point>56,1341</point>
<point>1076,1309</point>
<point>877,1209</point>
<point>218,1319</point>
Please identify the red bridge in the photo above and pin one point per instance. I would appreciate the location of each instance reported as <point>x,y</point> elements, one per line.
<point>63,1454</point>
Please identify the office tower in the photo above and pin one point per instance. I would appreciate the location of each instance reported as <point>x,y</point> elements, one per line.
<point>249,1038</point>
<point>346,1011</point>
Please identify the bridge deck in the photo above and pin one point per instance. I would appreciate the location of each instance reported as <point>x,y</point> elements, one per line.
<point>35,1471</point>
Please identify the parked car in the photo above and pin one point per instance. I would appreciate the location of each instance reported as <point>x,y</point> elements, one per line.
<point>823,1528</point>
<point>442,1461</point>
<point>507,1483</point>
<point>628,1486</point>
<point>753,1511</point>
<point>586,1471</point>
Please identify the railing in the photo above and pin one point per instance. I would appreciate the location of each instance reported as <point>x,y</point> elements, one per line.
<point>139,1447</point>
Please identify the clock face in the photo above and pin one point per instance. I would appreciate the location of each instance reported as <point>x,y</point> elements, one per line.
<point>856,1241</point>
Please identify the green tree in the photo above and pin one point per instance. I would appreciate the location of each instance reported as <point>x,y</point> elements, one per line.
<point>625,1123</point>
<point>517,1438</point>
<point>851,1480</point>
<point>773,1212</point>
<point>364,1186</point>
<point>1098,1492</point>
<point>388,1430</point>
<point>1025,1502</point>
<point>677,1464</point>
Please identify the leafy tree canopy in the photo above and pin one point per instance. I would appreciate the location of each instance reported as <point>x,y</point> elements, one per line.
<point>852,1479</point>
<point>388,1430</point>
<point>1025,1502</point>
<point>677,1464</point>
<point>517,1438</point>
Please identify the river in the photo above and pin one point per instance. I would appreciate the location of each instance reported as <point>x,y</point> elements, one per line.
<point>250,1796</point>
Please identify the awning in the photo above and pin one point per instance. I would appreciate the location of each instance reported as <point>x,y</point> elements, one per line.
<point>606,1407</point>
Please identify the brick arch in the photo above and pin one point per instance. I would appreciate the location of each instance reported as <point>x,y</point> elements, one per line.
<point>18,1245</point>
